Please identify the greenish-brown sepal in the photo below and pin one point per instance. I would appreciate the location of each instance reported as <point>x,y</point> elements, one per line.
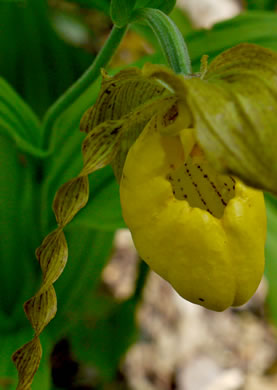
<point>234,110</point>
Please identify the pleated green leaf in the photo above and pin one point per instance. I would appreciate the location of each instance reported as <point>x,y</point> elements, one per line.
<point>93,340</point>
<point>18,122</point>
<point>259,27</point>
<point>76,288</point>
<point>37,62</point>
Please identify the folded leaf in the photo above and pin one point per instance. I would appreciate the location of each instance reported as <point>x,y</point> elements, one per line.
<point>18,121</point>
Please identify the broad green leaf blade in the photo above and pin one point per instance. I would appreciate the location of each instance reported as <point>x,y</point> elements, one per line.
<point>100,5</point>
<point>38,64</point>
<point>104,341</point>
<point>20,143</point>
<point>269,5</point>
<point>18,121</point>
<point>165,6</point>
<point>65,160</point>
<point>77,285</point>
<point>258,27</point>
<point>121,11</point>
<point>18,226</point>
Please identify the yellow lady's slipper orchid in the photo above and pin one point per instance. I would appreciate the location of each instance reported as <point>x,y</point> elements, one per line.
<point>201,231</point>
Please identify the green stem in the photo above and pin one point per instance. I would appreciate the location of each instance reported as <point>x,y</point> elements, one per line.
<point>84,81</point>
<point>169,37</point>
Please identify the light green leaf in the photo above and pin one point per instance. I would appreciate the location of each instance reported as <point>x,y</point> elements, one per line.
<point>258,27</point>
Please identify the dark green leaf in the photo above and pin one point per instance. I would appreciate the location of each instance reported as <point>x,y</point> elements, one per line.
<point>38,64</point>
<point>20,142</point>
<point>104,342</point>
<point>89,251</point>
<point>18,121</point>
<point>165,6</point>
<point>18,226</point>
<point>65,161</point>
<point>100,5</point>
<point>253,26</point>
<point>121,11</point>
<point>261,4</point>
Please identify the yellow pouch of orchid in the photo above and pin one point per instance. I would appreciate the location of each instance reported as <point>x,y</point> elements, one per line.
<point>202,231</point>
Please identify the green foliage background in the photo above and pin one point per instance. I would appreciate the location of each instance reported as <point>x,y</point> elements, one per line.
<point>36,67</point>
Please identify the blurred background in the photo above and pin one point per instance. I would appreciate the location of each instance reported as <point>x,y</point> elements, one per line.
<point>118,325</point>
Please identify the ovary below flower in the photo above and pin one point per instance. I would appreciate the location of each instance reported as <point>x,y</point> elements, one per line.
<point>201,231</point>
